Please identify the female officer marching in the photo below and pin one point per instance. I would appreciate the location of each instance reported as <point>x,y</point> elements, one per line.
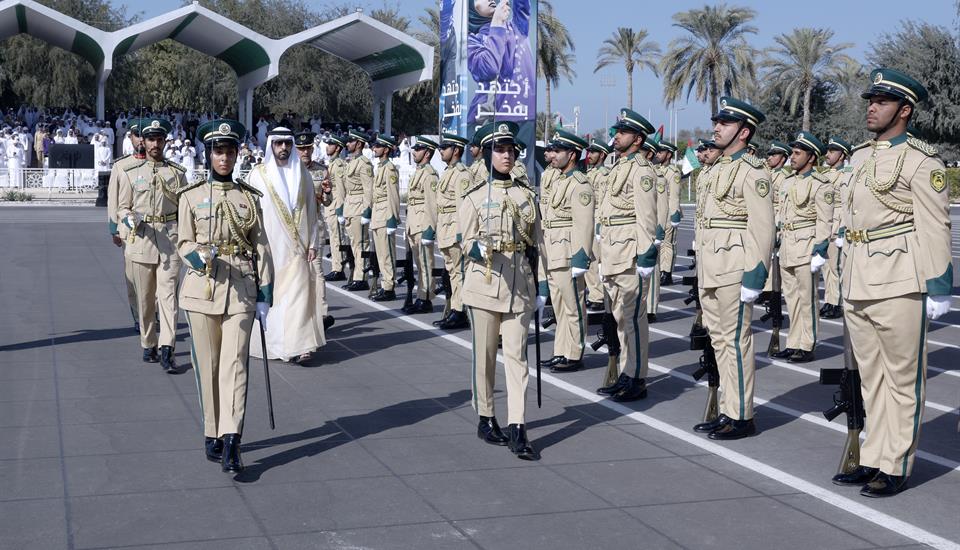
<point>224,288</point>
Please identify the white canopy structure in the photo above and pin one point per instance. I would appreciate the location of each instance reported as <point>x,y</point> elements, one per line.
<point>394,60</point>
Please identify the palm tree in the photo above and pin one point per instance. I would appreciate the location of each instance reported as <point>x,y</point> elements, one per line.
<point>803,59</point>
<point>554,53</point>
<point>632,49</point>
<point>714,59</point>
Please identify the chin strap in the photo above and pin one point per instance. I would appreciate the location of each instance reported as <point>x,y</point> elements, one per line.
<point>739,127</point>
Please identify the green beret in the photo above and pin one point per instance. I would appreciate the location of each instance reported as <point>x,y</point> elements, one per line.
<point>599,147</point>
<point>420,142</point>
<point>357,135</point>
<point>732,109</point>
<point>632,121</point>
<point>563,139</point>
<point>810,142</point>
<point>339,141</point>
<point>304,139</point>
<point>447,139</point>
<point>221,130</point>
<point>385,140</point>
<point>894,83</point>
<point>154,126</point>
<point>497,132</point>
<point>839,144</point>
<point>778,147</point>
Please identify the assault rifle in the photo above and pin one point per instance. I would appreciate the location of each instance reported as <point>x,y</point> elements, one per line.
<point>774,307</point>
<point>848,400</point>
<point>607,336</point>
<point>700,340</point>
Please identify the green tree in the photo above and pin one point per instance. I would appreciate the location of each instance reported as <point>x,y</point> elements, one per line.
<point>555,56</point>
<point>633,50</point>
<point>714,60</point>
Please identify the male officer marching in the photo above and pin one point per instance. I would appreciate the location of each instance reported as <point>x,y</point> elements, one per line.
<point>838,151</point>
<point>118,230</point>
<point>628,225</point>
<point>385,216</point>
<point>671,175</point>
<point>806,220</point>
<point>336,168</point>
<point>734,245</point>
<point>304,143</point>
<point>147,205</point>
<point>597,174</point>
<point>897,276</point>
<point>567,219</point>
<point>455,180</point>
<point>357,205</point>
<point>777,155</point>
<point>422,222</point>
<point>651,148</point>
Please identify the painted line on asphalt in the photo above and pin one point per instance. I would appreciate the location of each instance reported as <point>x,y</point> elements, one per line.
<point>829,497</point>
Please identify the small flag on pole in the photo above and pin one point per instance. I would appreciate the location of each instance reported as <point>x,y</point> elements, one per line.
<point>690,162</point>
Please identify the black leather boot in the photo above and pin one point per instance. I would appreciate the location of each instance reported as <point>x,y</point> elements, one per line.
<point>166,360</point>
<point>884,485</point>
<point>150,355</point>
<point>861,475</point>
<point>715,424</point>
<point>385,295</point>
<point>651,318</point>
<point>634,389</point>
<point>784,353</point>
<point>566,365</point>
<point>334,276</point>
<point>518,443</point>
<point>615,387</point>
<point>231,454</point>
<point>801,356</point>
<point>666,278</point>
<point>735,429</point>
<point>442,322</point>
<point>422,306</point>
<point>552,361</point>
<point>213,446</point>
<point>456,320</point>
<point>594,306</point>
<point>489,431</point>
<point>355,286</point>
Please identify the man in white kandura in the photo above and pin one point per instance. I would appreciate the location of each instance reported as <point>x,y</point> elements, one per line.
<point>294,327</point>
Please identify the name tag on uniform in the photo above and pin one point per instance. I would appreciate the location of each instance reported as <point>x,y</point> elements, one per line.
<point>490,204</point>
<point>204,204</point>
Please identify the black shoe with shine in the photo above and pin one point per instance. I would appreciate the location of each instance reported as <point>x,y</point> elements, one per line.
<point>441,322</point>
<point>166,360</point>
<point>334,276</point>
<point>384,296</point>
<point>567,365</point>
<point>825,309</point>
<point>884,485</point>
<point>666,278</point>
<point>633,390</point>
<point>354,286</point>
<point>328,321</point>
<point>456,320</point>
<point>801,356</point>
<point>784,353</point>
<point>150,355</point>
<point>715,424</point>
<point>518,442</point>
<point>615,387</point>
<point>552,361</point>
<point>594,306</point>
<point>860,475</point>
<point>231,454</point>
<point>422,306</point>
<point>489,431</point>
<point>835,312</point>
<point>651,318</point>
<point>213,446</point>
<point>735,429</point>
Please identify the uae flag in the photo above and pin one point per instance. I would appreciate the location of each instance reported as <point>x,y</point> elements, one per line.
<point>690,162</point>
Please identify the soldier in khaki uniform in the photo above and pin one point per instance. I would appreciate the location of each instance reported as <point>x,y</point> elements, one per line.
<point>597,174</point>
<point>652,294</point>
<point>358,203</point>
<point>671,175</point>
<point>333,213</point>
<point>386,215</point>
<point>421,222</point>
<point>627,219</point>
<point>476,166</point>
<point>147,205</point>
<point>500,227</point>
<point>566,246</point>
<point>734,245</point>
<point>806,216</point>
<point>838,151</point>
<point>897,275</point>
<point>455,180</point>
<point>118,231</point>
<point>221,230</point>
<point>303,141</point>
<point>777,155</point>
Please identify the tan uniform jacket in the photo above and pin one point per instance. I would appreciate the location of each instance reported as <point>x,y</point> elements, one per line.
<point>338,189</point>
<point>736,230</point>
<point>358,184</point>
<point>806,217</point>
<point>455,181</point>
<point>672,176</point>
<point>628,216</point>
<point>113,194</point>
<point>901,181</point>
<point>778,176</point>
<point>663,202</point>
<point>317,173</point>
<point>513,224</point>
<point>837,179</point>
<point>149,189</point>
<point>422,202</point>
<point>386,197</point>
<point>567,222</point>
<point>231,288</point>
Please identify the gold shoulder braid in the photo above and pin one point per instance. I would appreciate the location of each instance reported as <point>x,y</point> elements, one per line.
<point>720,194</point>
<point>881,189</point>
<point>239,226</point>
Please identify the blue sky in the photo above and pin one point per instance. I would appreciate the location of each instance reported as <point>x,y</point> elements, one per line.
<point>856,21</point>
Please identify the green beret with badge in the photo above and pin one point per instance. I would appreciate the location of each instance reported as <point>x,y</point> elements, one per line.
<point>497,132</point>
<point>221,130</point>
<point>339,141</point>
<point>778,148</point>
<point>632,121</point>
<point>452,140</point>
<point>154,126</point>
<point>420,143</point>
<point>893,83</point>
<point>563,139</point>
<point>840,145</point>
<point>809,142</point>
<point>304,139</point>
<point>735,110</point>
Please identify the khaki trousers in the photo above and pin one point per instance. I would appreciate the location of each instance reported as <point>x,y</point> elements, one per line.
<point>652,294</point>
<point>385,245</point>
<point>629,310</point>
<point>423,257</point>
<point>356,231</point>
<point>131,287</point>
<point>592,278</point>
<point>569,307</point>
<point>453,263</point>
<point>889,341</point>
<point>219,345</point>
<point>799,291</point>
<point>728,321</point>
<point>156,286</point>
<point>486,326</point>
<point>668,250</point>
<point>831,276</point>
<point>336,238</point>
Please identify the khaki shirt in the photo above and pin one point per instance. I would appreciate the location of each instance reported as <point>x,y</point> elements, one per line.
<point>149,190</point>
<point>837,178</point>
<point>672,176</point>
<point>806,217</point>
<point>358,183</point>
<point>338,187</point>
<point>386,197</point>
<point>598,179</point>
<point>628,216</point>
<point>901,181</point>
<point>663,202</point>
<point>113,194</point>
<point>567,222</point>
<point>736,230</point>
<point>318,172</point>
<point>422,202</point>
<point>231,286</point>
<point>454,182</point>
<point>513,223</point>
<point>776,190</point>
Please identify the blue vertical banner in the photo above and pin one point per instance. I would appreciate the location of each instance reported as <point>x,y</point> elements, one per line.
<point>488,67</point>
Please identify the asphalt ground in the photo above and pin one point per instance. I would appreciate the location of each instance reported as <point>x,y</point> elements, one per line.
<point>375,445</point>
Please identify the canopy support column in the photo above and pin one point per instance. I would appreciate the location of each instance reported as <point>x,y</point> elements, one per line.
<point>388,113</point>
<point>376,114</point>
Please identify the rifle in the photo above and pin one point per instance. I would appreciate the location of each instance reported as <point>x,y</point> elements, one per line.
<point>346,250</point>
<point>443,277</point>
<point>408,278</point>
<point>548,318</point>
<point>533,256</point>
<point>607,336</point>
<point>371,268</point>
<point>263,349</point>
<point>700,340</point>
<point>847,399</point>
<point>774,307</point>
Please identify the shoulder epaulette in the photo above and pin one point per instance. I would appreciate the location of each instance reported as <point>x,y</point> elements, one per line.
<point>821,177</point>
<point>752,160</point>
<point>122,157</point>
<point>244,185</point>
<point>174,165</point>
<point>861,146</point>
<point>922,146</point>
<point>137,164</point>
<point>477,184</point>
<point>580,177</point>
<point>461,167</point>
<point>193,185</point>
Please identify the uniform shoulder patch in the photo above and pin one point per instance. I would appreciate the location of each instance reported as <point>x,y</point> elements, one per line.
<point>646,183</point>
<point>763,187</point>
<point>938,180</point>
<point>586,198</point>
<point>244,185</point>
<point>661,187</point>
<point>859,146</point>
<point>752,160</point>
<point>922,146</point>
<point>828,197</point>
<point>186,188</point>
<point>175,166</point>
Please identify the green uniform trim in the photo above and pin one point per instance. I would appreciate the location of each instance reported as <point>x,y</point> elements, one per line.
<point>265,294</point>
<point>339,211</point>
<point>820,249</point>
<point>112,226</point>
<point>475,252</point>
<point>636,330</point>
<point>580,260</point>
<point>918,385</point>
<point>736,345</point>
<point>365,214</point>
<point>473,358</point>
<point>942,285</point>
<point>392,223</point>
<point>429,234</point>
<point>195,261</point>
<point>459,237</point>
<point>676,217</point>
<point>576,296</point>
<point>648,258</point>
<point>543,289</point>
<point>756,277</point>
<point>660,232</point>
<point>842,232</point>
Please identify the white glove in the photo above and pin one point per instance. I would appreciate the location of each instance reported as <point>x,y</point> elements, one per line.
<point>483,249</point>
<point>541,303</point>
<point>341,219</point>
<point>364,221</point>
<point>577,272</point>
<point>391,230</point>
<point>597,236</point>
<point>749,295</point>
<point>426,242</point>
<point>838,242</point>
<point>262,310</point>
<point>937,306</point>
<point>644,272</point>
<point>675,224</point>
<point>657,243</point>
<point>207,253</point>
<point>816,262</point>
<point>133,219</point>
